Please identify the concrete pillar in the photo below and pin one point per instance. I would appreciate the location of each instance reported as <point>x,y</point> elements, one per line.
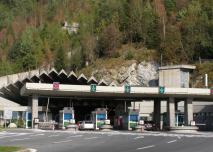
<point>157,113</point>
<point>34,110</point>
<point>171,112</point>
<point>188,111</point>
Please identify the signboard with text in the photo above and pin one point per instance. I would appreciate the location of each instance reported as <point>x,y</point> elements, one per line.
<point>93,88</point>
<point>8,113</point>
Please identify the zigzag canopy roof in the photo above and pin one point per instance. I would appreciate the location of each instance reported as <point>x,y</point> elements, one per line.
<point>10,85</point>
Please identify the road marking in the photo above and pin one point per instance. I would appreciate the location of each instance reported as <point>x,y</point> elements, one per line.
<point>179,137</point>
<point>146,147</point>
<point>36,135</point>
<point>75,136</point>
<point>171,141</point>
<point>33,150</point>
<point>19,139</point>
<point>53,135</point>
<point>139,137</point>
<point>91,138</point>
<point>63,141</point>
<point>13,135</point>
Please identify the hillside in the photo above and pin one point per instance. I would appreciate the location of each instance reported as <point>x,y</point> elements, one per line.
<point>81,34</point>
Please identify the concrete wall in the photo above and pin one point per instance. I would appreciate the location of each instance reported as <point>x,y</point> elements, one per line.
<point>169,78</point>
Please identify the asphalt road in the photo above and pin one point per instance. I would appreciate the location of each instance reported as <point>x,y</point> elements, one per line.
<point>61,141</point>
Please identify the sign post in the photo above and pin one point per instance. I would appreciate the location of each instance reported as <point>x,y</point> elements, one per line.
<point>7,115</point>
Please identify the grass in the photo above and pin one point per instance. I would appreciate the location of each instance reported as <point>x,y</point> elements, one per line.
<point>9,148</point>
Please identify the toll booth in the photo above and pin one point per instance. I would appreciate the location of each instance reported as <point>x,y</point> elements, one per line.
<point>66,117</point>
<point>131,119</point>
<point>28,119</point>
<point>98,117</point>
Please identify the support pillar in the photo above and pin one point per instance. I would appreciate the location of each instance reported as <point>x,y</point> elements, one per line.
<point>171,112</point>
<point>157,113</point>
<point>34,110</point>
<point>188,111</point>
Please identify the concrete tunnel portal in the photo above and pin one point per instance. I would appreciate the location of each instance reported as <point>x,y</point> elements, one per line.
<point>82,107</point>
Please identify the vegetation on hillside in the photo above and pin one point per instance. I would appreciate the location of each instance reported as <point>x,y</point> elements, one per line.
<point>32,32</point>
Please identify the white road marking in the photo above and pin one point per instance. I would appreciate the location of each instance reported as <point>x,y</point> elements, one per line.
<point>146,147</point>
<point>171,141</point>
<point>75,136</point>
<point>63,141</point>
<point>36,135</point>
<point>13,135</point>
<point>91,138</point>
<point>53,135</point>
<point>20,139</point>
<point>33,150</point>
<point>139,137</point>
<point>179,137</point>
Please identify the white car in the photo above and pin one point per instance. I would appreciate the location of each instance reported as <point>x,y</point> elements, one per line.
<point>86,125</point>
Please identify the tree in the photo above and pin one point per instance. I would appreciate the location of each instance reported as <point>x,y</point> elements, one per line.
<point>60,59</point>
<point>26,52</point>
<point>109,40</point>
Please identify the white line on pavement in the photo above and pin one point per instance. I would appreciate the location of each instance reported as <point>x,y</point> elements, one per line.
<point>53,135</point>
<point>63,141</point>
<point>36,135</point>
<point>33,150</point>
<point>179,137</point>
<point>75,136</point>
<point>139,137</point>
<point>171,141</point>
<point>91,138</point>
<point>13,135</point>
<point>146,147</point>
<point>20,139</point>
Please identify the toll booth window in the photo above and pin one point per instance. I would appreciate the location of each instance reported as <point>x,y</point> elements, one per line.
<point>29,116</point>
<point>133,117</point>
<point>101,116</point>
<point>15,115</point>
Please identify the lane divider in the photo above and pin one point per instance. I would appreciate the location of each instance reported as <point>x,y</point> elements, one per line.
<point>146,147</point>
<point>171,141</point>
<point>63,141</point>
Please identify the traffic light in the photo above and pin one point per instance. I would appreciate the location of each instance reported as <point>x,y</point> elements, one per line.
<point>93,88</point>
<point>127,88</point>
<point>161,90</point>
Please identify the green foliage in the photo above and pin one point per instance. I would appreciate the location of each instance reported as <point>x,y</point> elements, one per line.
<point>20,123</point>
<point>9,148</point>
<point>60,59</point>
<point>27,50</point>
<point>31,33</point>
<point>170,5</point>
<point>128,55</point>
<point>6,16</point>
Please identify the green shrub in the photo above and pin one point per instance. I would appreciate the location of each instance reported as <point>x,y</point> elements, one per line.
<point>128,55</point>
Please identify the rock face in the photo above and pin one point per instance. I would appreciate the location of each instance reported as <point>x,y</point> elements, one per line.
<point>142,74</point>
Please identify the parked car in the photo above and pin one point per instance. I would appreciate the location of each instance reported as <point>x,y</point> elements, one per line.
<point>86,125</point>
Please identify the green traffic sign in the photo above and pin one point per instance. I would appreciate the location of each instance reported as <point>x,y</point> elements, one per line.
<point>93,88</point>
<point>161,90</point>
<point>127,89</point>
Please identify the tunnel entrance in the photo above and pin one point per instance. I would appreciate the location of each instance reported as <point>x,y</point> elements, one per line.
<point>83,108</point>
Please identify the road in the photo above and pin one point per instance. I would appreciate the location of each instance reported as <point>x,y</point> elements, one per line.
<point>63,141</point>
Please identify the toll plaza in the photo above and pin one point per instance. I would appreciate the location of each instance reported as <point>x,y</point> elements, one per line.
<point>67,99</point>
